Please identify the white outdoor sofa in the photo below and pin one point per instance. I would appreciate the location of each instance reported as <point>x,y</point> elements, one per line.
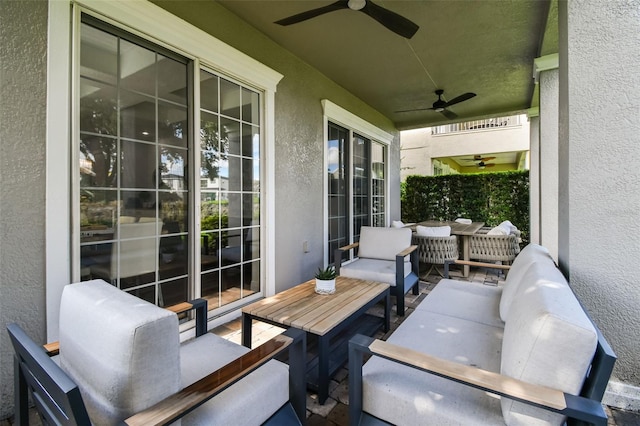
<point>525,353</point>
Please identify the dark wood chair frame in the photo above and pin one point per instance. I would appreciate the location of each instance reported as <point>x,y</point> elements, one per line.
<point>58,401</point>
<point>403,284</point>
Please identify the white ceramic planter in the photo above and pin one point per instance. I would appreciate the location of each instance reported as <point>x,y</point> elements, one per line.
<point>325,286</point>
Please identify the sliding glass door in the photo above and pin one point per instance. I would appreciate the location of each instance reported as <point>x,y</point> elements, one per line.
<point>148,156</point>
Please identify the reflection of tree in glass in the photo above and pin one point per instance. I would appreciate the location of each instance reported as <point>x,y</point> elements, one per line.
<point>99,117</point>
<point>214,149</point>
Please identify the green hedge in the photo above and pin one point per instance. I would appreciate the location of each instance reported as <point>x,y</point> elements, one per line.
<point>486,197</point>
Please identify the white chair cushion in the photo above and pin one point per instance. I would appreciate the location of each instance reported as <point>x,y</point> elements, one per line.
<point>433,231</point>
<point>465,300</point>
<point>405,396</point>
<point>267,388</point>
<point>500,230</point>
<point>548,340</point>
<point>382,271</point>
<point>507,224</point>
<point>530,254</point>
<point>122,352</point>
<point>383,243</point>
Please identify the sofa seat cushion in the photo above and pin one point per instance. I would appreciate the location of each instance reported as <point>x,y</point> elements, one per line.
<point>122,352</point>
<point>267,387</point>
<point>383,271</point>
<point>383,243</point>
<point>405,396</point>
<point>465,300</point>
<point>548,340</point>
<point>530,254</point>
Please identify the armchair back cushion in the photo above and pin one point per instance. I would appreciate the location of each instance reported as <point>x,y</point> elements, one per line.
<point>123,352</point>
<point>383,243</point>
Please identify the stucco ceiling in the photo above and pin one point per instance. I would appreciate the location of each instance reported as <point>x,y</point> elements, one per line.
<point>486,47</point>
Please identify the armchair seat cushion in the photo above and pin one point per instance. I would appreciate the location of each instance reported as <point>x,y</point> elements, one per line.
<point>267,387</point>
<point>383,271</point>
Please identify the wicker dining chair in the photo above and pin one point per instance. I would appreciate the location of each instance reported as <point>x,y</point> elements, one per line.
<point>435,250</point>
<point>494,248</point>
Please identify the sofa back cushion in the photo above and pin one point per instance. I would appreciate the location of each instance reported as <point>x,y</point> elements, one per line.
<point>512,285</point>
<point>383,243</point>
<point>122,352</point>
<point>548,340</point>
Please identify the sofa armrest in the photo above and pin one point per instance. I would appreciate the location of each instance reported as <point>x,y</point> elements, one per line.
<point>448,263</point>
<point>191,397</point>
<point>407,251</point>
<point>337,255</point>
<point>200,307</point>
<point>576,407</point>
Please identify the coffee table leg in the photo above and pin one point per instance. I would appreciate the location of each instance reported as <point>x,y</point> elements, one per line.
<point>387,311</point>
<point>246,330</point>
<point>323,369</point>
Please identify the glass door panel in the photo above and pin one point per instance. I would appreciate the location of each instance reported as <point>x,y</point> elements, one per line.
<point>133,154</point>
<point>229,191</point>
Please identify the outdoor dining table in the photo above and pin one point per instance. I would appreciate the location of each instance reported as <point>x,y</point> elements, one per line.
<point>463,230</point>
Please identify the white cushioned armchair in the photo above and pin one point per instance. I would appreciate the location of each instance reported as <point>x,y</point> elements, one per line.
<point>121,360</point>
<point>384,255</point>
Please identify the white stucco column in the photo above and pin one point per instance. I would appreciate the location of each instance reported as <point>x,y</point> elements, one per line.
<point>547,76</point>
<point>599,173</point>
<point>534,176</point>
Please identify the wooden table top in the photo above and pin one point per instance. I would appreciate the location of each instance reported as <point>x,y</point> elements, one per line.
<point>456,228</point>
<point>301,307</point>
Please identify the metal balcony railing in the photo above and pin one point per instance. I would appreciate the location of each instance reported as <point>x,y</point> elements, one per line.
<point>486,124</point>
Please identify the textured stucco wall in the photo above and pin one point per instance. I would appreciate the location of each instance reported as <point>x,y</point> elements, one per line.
<point>23,26</point>
<point>534,180</point>
<point>549,164</point>
<point>599,229</point>
<point>299,173</point>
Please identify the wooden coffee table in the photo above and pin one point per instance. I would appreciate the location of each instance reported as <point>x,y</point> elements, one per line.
<point>332,319</point>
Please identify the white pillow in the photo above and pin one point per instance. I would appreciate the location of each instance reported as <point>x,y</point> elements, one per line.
<point>397,224</point>
<point>511,226</point>
<point>500,230</point>
<point>464,221</point>
<point>433,231</point>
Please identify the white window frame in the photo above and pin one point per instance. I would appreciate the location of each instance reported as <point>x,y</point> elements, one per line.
<point>354,124</point>
<point>161,27</point>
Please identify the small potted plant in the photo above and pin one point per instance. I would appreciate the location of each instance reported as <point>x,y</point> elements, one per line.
<point>326,280</point>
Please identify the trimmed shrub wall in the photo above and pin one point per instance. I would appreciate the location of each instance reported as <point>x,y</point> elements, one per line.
<point>484,197</point>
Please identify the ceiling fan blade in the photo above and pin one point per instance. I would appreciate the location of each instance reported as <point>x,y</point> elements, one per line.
<point>340,4</point>
<point>413,110</point>
<point>394,22</point>
<point>461,98</point>
<point>449,114</point>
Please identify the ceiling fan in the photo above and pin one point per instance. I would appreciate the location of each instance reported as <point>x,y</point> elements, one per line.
<point>482,165</point>
<point>441,106</point>
<point>479,158</point>
<point>396,23</point>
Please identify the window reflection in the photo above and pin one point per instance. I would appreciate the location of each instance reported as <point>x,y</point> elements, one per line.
<point>133,167</point>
